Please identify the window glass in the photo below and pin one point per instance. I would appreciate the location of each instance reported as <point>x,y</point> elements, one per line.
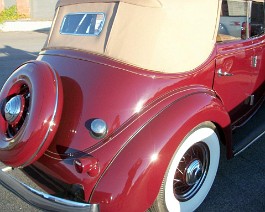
<point>257,18</point>
<point>241,19</point>
<point>83,24</point>
<point>233,20</point>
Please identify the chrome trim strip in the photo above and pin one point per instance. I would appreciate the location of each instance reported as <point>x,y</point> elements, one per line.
<point>259,104</point>
<point>52,119</point>
<point>42,200</point>
<point>253,141</point>
<point>249,7</point>
<point>254,61</point>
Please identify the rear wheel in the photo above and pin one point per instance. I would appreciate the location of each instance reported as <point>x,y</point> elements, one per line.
<point>191,172</point>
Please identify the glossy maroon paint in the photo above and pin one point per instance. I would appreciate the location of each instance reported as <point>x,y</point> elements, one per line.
<point>151,149</point>
<point>148,115</point>
<point>236,58</point>
<point>258,74</point>
<point>110,92</point>
<point>37,131</point>
<point>147,110</point>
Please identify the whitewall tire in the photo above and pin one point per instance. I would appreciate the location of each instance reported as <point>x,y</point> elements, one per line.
<point>191,172</point>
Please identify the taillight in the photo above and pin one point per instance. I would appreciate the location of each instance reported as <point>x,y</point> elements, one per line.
<point>87,165</point>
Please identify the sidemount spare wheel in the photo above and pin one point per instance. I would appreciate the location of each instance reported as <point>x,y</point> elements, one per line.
<point>31,105</point>
<point>191,171</point>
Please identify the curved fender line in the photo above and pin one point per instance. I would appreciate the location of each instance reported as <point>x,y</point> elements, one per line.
<point>140,165</point>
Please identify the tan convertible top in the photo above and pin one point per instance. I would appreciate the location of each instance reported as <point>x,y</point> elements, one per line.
<point>147,3</point>
<point>161,35</point>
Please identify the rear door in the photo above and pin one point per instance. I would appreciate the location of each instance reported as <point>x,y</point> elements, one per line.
<point>258,38</point>
<point>235,54</point>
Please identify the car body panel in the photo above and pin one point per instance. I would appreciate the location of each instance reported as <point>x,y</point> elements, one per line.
<point>68,146</point>
<point>235,59</point>
<point>151,85</point>
<point>150,150</point>
<point>258,75</point>
<point>89,95</point>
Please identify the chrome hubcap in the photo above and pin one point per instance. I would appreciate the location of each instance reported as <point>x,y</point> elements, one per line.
<point>191,171</point>
<point>13,109</point>
<point>194,172</point>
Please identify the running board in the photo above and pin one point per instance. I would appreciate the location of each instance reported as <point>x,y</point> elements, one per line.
<point>251,132</point>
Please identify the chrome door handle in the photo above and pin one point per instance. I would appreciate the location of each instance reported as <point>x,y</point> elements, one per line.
<point>254,61</point>
<point>221,73</point>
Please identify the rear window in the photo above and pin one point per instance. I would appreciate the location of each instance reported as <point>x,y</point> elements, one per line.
<point>87,24</point>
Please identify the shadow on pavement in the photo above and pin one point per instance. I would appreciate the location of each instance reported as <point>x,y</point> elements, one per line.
<point>10,59</point>
<point>44,30</point>
<point>239,185</point>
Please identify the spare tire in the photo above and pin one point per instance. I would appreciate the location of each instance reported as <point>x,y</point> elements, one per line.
<point>31,105</point>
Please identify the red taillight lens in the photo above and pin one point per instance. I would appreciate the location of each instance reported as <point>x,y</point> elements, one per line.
<point>87,164</point>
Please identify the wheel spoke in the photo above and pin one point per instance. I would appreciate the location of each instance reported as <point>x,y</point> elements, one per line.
<point>18,112</point>
<point>11,131</point>
<point>191,171</point>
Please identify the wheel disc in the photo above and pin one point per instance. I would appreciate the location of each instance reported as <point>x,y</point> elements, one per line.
<point>191,171</point>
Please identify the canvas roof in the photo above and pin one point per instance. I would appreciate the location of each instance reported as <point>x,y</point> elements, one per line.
<point>161,35</point>
<point>148,3</point>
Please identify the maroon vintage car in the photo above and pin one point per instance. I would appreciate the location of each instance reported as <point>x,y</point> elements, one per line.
<point>127,104</point>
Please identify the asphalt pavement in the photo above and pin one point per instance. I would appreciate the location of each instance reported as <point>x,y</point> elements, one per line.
<point>240,182</point>
<point>15,49</point>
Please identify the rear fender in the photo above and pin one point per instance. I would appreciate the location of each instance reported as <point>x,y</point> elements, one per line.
<point>140,166</point>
